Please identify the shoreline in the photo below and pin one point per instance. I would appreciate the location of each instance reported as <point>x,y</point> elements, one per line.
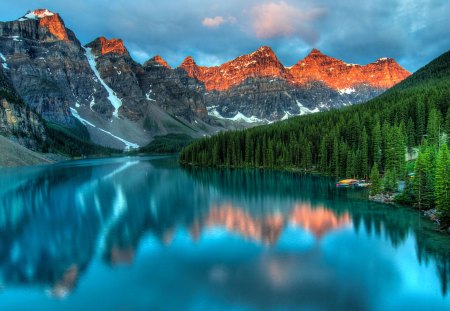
<point>431,214</point>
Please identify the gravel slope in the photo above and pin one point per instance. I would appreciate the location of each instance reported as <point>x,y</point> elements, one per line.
<point>13,154</point>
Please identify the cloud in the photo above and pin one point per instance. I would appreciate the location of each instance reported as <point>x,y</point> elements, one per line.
<point>214,22</point>
<point>280,19</point>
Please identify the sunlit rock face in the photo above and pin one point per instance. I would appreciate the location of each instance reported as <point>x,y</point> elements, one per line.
<point>336,74</point>
<point>384,73</point>
<point>262,63</point>
<point>55,26</point>
<point>102,46</point>
<point>258,88</point>
<point>161,61</point>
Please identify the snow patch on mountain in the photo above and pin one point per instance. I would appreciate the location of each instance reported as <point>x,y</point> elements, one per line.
<point>3,58</point>
<point>128,145</point>
<point>37,14</point>
<point>212,111</point>
<point>79,118</point>
<point>304,110</point>
<point>112,96</point>
<point>92,103</point>
<point>286,116</point>
<point>347,91</point>
<point>147,96</point>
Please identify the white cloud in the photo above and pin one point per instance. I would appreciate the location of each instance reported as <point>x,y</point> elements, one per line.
<point>280,19</point>
<point>214,22</point>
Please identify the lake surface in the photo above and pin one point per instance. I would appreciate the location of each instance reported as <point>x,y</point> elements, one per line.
<point>145,234</point>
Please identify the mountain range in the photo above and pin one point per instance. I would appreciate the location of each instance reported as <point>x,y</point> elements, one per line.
<point>98,92</point>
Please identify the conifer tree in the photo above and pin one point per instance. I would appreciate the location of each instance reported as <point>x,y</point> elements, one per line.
<point>389,181</point>
<point>364,147</point>
<point>375,180</point>
<point>410,140</point>
<point>433,127</point>
<point>442,182</point>
<point>376,143</point>
<point>335,158</point>
<point>420,121</point>
<point>423,179</point>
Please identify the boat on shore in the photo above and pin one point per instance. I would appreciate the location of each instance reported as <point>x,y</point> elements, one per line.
<point>346,183</point>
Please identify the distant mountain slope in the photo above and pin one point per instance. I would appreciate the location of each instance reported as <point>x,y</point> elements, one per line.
<point>343,142</point>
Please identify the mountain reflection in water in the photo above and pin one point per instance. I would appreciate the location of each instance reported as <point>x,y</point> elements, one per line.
<point>260,238</point>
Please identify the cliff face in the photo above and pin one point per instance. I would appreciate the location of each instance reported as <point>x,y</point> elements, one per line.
<point>173,90</point>
<point>154,83</point>
<point>118,70</point>
<point>17,121</point>
<point>47,66</point>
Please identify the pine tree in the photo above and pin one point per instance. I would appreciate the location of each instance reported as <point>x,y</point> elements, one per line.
<point>390,152</point>
<point>390,181</point>
<point>420,121</point>
<point>376,143</point>
<point>442,182</point>
<point>349,165</point>
<point>410,140</point>
<point>400,149</point>
<point>364,147</point>
<point>375,180</point>
<point>423,179</point>
<point>335,158</point>
<point>434,126</point>
<point>447,125</point>
<point>323,155</point>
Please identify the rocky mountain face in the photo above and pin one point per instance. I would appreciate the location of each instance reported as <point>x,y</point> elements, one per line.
<point>173,90</point>
<point>17,121</point>
<point>258,88</point>
<point>124,104</point>
<point>47,66</point>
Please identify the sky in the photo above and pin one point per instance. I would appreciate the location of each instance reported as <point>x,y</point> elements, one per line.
<point>413,32</point>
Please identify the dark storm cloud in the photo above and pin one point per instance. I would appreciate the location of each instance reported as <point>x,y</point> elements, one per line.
<point>214,31</point>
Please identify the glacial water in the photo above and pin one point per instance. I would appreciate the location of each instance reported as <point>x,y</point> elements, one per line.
<point>145,234</point>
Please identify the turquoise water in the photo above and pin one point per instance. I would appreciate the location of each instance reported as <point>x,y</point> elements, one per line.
<point>145,234</point>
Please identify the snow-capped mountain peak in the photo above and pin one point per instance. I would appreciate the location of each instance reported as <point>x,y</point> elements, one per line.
<point>38,14</point>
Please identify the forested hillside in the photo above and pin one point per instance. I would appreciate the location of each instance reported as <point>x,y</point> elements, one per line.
<point>346,142</point>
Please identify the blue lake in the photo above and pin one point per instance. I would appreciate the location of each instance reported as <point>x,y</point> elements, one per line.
<point>145,234</point>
